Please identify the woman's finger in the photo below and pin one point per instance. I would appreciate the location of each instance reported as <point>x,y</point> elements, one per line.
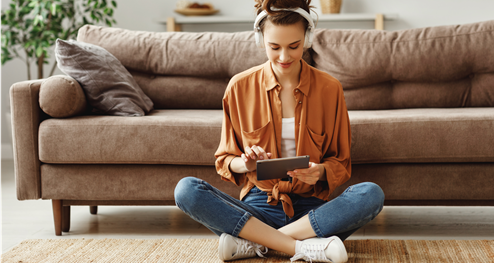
<point>307,175</point>
<point>262,154</point>
<point>244,157</point>
<point>250,153</point>
<point>257,151</point>
<point>311,169</point>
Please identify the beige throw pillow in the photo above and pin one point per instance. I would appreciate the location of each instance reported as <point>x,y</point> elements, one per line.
<point>108,85</point>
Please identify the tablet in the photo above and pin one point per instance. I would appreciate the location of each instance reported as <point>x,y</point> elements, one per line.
<point>277,168</point>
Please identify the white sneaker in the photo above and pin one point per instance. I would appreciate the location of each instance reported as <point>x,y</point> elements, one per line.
<point>231,248</point>
<point>317,249</point>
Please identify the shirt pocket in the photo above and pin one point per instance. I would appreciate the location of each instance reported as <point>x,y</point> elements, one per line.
<point>259,137</point>
<point>316,143</point>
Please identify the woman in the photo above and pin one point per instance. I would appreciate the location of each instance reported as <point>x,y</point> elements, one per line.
<point>283,108</point>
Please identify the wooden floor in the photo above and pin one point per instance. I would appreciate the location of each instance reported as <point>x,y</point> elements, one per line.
<point>34,220</point>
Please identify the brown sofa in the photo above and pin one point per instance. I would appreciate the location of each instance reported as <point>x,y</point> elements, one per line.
<point>420,101</point>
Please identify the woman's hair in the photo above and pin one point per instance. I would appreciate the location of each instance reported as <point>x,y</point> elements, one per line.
<point>283,17</point>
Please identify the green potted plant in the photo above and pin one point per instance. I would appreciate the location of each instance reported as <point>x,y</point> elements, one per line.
<point>31,27</point>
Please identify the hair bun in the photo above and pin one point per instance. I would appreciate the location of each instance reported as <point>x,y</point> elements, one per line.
<point>282,4</point>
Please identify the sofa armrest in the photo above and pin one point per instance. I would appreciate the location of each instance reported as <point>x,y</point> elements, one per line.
<point>26,117</point>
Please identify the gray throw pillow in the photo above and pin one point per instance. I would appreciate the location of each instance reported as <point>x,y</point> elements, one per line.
<point>108,85</point>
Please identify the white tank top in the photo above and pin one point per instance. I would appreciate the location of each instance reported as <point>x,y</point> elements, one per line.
<point>288,148</point>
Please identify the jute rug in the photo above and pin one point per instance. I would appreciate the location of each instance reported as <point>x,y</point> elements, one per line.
<point>206,250</point>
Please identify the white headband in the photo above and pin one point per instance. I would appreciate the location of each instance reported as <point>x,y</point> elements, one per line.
<point>309,32</point>
<point>299,10</point>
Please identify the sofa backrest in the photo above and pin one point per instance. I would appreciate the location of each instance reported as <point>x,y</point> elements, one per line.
<point>178,69</point>
<point>436,67</point>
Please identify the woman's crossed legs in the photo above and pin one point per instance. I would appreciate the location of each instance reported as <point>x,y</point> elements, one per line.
<point>255,220</point>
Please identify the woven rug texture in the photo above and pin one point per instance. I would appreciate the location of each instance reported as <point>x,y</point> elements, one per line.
<point>206,250</point>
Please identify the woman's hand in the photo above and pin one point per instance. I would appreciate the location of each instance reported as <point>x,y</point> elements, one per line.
<point>310,175</point>
<point>252,154</point>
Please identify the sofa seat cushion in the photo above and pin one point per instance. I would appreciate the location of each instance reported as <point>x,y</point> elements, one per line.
<point>161,137</point>
<point>423,135</point>
<point>192,137</point>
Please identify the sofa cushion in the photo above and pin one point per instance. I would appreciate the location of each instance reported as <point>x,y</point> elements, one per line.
<point>196,54</point>
<point>180,70</point>
<point>433,67</point>
<point>192,137</point>
<point>160,137</point>
<point>182,92</point>
<point>109,87</point>
<point>423,135</point>
<point>61,96</point>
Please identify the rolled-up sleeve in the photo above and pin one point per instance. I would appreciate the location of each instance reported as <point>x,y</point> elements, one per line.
<point>228,148</point>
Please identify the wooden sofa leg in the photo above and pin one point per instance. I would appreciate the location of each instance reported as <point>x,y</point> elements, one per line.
<point>65,218</point>
<point>57,216</point>
<point>93,210</point>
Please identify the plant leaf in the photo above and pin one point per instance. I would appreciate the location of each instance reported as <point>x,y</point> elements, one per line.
<point>39,51</point>
<point>36,20</point>
<point>54,8</point>
<point>32,26</point>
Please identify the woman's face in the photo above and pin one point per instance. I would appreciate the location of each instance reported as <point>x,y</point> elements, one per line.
<point>284,47</point>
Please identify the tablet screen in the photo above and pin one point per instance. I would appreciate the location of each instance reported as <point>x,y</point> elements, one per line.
<point>277,168</point>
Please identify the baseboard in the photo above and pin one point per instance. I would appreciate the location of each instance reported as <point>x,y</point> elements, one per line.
<point>7,152</point>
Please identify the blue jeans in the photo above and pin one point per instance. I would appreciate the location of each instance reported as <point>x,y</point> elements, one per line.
<point>221,213</point>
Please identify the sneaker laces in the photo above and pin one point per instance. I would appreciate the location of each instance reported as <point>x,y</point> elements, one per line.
<point>312,252</point>
<point>246,247</point>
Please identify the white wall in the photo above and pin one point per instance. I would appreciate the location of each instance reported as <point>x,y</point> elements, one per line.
<point>143,14</point>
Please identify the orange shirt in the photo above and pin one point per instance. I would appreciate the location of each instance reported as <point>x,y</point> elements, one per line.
<point>253,116</point>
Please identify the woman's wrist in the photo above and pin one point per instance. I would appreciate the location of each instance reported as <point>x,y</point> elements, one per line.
<point>237,165</point>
